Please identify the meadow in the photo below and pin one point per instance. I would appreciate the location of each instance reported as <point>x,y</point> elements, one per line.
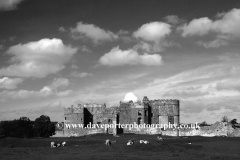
<point>93,147</point>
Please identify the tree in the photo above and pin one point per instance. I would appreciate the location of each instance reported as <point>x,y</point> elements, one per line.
<point>233,121</point>
<point>204,123</point>
<point>224,119</point>
<point>21,128</point>
<point>43,127</point>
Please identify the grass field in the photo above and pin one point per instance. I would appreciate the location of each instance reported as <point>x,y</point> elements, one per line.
<point>93,147</point>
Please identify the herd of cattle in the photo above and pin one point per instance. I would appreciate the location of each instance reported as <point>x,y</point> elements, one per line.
<point>108,142</point>
<point>131,142</point>
<point>53,144</point>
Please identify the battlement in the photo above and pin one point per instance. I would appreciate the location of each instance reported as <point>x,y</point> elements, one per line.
<point>88,105</point>
<point>165,101</point>
<point>68,110</point>
<point>132,104</point>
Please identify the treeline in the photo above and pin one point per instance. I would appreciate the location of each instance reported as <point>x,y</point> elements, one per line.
<point>24,128</point>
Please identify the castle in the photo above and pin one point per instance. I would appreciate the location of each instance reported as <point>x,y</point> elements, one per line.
<point>146,112</point>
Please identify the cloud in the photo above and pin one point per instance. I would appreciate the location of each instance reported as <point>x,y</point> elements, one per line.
<point>173,19</point>
<point>228,23</point>
<point>59,83</point>
<point>80,75</point>
<point>8,83</point>
<point>198,27</point>
<point>213,44</point>
<point>154,47</point>
<point>191,107</point>
<point>7,5</point>
<point>154,31</point>
<point>229,84</point>
<point>92,32</point>
<point>85,49</point>
<point>61,29</point>
<point>46,91</point>
<point>74,66</point>
<point>130,97</point>
<point>185,92</point>
<point>38,59</point>
<point>118,57</point>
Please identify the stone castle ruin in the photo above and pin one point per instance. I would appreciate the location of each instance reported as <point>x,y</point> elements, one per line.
<point>145,112</point>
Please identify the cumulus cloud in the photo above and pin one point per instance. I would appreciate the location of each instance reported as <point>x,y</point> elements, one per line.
<point>10,83</point>
<point>80,75</point>
<point>118,57</point>
<point>153,31</point>
<point>198,27</point>
<point>9,4</point>
<point>130,97</point>
<point>38,59</point>
<point>228,23</point>
<point>46,91</point>
<point>92,32</point>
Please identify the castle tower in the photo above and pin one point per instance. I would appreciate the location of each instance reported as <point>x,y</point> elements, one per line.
<point>169,112</point>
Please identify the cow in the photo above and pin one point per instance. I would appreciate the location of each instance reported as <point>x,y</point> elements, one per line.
<point>130,142</point>
<point>108,142</point>
<point>159,138</point>
<point>141,141</point>
<point>53,145</point>
<point>144,142</point>
<point>58,144</point>
<point>63,144</point>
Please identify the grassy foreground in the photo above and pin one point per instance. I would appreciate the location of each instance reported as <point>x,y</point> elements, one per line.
<point>93,147</point>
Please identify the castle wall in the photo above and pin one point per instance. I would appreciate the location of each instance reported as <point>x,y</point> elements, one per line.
<point>154,113</point>
<point>163,119</point>
<point>148,112</point>
<point>125,113</point>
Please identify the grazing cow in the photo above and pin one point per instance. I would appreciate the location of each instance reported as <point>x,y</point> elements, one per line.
<point>53,144</point>
<point>63,144</point>
<point>141,141</point>
<point>130,142</point>
<point>144,142</point>
<point>108,142</point>
<point>159,138</point>
<point>58,144</point>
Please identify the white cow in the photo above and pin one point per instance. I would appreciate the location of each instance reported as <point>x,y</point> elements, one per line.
<point>53,144</point>
<point>63,144</point>
<point>130,142</point>
<point>141,141</point>
<point>108,142</point>
<point>144,142</point>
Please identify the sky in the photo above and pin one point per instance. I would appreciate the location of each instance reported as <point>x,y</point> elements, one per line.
<point>58,53</point>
